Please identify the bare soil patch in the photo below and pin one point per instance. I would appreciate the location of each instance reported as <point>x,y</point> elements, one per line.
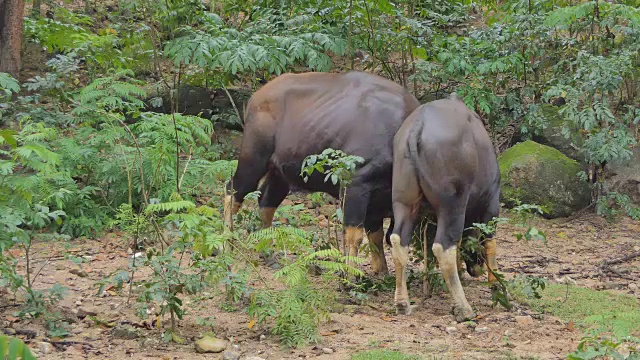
<point>576,248</point>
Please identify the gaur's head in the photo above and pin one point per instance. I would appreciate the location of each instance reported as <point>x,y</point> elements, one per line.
<point>473,255</point>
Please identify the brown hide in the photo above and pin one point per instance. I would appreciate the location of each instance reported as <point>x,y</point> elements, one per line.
<point>443,154</point>
<point>297,115</point>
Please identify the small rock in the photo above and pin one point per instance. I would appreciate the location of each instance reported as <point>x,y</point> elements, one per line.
<point>79,272</point>
<point>83,312</point>
<point>78,302</point>
<point>9,331</point>
<point>254,358</point>
<point>451,329</point>
<point>210,344</point>
<point>508,332</point>
<point>230,355</point>
<point>262,337</point>
<point>481,329</point>
<point>125,332</point>
<point>45,347</point>
<point>327,350</point>
<point>633,287</point>
<point>324,223</point>
<point>524,320</point>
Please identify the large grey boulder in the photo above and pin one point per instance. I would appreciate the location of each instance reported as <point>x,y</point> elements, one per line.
<point>552,133</point>
<point>538,174</point>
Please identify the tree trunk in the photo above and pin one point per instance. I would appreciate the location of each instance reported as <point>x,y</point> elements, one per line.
<point>11,18</point>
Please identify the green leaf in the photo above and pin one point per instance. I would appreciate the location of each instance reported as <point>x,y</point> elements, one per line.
<point>8,84</point>
<point>9,137</point>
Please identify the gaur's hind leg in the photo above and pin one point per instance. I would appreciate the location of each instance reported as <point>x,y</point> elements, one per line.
<point>274,190</point>
<point>356,202</point>
<point>450,226</point>
<point>407,197</point>
<point>375,234</point>
<point>405,219</point>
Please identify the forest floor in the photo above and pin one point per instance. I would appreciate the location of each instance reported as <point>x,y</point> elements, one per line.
<point>575,250</point>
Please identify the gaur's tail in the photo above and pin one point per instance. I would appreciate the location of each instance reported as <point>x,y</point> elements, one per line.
<point>414,140</point>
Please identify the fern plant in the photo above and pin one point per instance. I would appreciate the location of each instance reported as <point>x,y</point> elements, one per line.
<point>298,309</point>
<point>270,45</point>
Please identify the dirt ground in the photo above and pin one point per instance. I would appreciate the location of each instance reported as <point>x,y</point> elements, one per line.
<point>575,249</point>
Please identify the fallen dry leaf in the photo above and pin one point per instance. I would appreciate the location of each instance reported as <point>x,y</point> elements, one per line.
<point>251,324</point>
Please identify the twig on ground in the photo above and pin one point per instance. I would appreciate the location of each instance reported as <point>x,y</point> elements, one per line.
<point>608,263</point>
<point>69,342</point>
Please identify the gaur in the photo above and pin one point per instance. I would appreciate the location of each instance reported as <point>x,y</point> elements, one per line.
<point>297,115</point>
<point>443,154</point>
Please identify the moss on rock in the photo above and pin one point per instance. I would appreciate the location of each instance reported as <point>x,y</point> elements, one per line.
<point>541,175</point>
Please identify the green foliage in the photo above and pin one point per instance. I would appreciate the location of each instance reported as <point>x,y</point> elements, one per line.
<point>598,344</point>
<point>118,93</point>
<point>269,44</point>
<point>609,204</point>
<point>340,166</point>
<point>168,282</point>
<point>79,155</point>
<point>525,215</point>
<point>14,349</point>
<point>528,286</point>
<point>70,33</point>
<point>8,85</point>
<point>298,309</point>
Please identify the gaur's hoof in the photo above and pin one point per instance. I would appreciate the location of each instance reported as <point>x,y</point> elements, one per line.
<point>381,272</point>
<point>462,314</point>
<point>379,267</point>
<point>403,308</point>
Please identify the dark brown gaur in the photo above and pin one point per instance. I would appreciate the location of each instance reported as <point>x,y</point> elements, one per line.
<point>443,154</point>
<point>297,115</point>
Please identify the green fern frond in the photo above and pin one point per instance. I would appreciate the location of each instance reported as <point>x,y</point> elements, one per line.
<point>173,207</point>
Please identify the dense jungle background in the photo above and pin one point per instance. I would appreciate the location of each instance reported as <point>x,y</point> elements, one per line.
<point>120,123</point>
